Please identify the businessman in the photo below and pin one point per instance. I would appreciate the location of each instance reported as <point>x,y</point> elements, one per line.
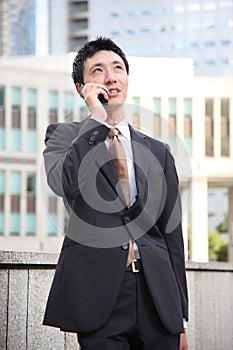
<point>120,282</point>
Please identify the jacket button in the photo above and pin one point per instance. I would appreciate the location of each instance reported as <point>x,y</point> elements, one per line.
<point>127,218</point>
<point>125,246</point>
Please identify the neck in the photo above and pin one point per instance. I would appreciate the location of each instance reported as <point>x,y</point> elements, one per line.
<point>115,114</point>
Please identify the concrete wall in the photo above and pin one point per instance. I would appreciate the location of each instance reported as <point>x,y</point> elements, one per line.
<point>25,280</point>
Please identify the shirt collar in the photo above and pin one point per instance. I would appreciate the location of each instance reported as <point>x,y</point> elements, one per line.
<point>123,127</point>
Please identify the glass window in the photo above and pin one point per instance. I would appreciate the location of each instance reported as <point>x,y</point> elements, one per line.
<point>53,107</point>
<point>115,14</point>
<point>15,182</point>
<point>209,5</point>
<point>193,45</point>
<point>178,8</point>
<point>2,200</point>
<point>31,98</point>
<point>130,31</point>
<point>225,60</point>
<point>193,7</point>
<point>145,30</point>
<point>209,62</point>
<point>209,24</point>
<point>210,44</point>
<point>160,10</point>
<point>178,46</point>
<point>145,13</point>
<point>226,4</point>
<point>172,123</point>
<point>2,181</point>
<point>225,42</point>
<point>226,23</point>
<point>130,13</point>
<point>115,33</point>
<point>15,141</point>
<point>2,118</point>
<point>15,190</point>
<point>188,124</point>
<point>178,27</point>
<point>16,96</point>
<point>146,50</point>
<point>160,48</point>
<point>225,127</point>
<point>31,205</point>
<point>209,127</point>
<point>68,105</point>
<point>31,142</point>
<point>193,26</point>
<point>157,117</point>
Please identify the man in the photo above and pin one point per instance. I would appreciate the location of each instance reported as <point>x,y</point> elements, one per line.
<point>120,281</point>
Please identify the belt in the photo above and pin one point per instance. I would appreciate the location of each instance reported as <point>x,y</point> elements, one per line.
<point>135,266</point>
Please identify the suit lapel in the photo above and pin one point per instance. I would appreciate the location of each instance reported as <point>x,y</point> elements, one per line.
<point>96,136</point>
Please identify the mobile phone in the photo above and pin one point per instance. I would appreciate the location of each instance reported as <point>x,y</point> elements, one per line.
<point>100,96</point>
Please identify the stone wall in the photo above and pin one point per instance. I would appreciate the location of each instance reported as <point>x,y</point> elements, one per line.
<point>25,280</point>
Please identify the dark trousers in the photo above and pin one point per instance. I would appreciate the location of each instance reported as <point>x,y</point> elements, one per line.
<point>133,324</point>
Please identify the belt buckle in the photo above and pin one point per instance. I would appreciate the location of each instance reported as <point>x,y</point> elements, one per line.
<point>134,269</point>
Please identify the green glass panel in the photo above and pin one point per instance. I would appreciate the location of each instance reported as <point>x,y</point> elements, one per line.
<point>52,225</point>
<point>157,106</point>
<point>188,106</point>
<point>2,138</point>
<point>31,98</point>
<point>14,224</point>
<point>15,182</point>
<point>69,101</point>
<point>2,181</point>
<point>31,142</point>
<point>1,223</point>
<point>172,106</point>
<point>53,99</point>
<point>16,96</point>
<point>30,224</point>
<point>15,139</point>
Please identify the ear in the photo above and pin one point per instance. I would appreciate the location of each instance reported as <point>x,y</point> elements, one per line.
<point>78,88</point>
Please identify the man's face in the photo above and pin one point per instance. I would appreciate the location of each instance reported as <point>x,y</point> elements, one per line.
<point>107,68</point>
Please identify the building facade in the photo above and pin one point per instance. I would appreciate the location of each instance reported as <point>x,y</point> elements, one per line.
<point>194,115</point>
<point>33,27</point>
<point>201,30</point>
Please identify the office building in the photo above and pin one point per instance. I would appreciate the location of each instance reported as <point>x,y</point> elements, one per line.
<point>201,30</point>
<point>33,27</point>
<point>197,29</point>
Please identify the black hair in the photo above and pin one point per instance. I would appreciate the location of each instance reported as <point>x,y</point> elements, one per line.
<point>88,50</point>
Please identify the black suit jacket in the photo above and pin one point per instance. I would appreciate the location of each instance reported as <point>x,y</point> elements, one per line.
<point>92,261</point>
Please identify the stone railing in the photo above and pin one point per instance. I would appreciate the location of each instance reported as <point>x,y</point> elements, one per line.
<point>25,280</point>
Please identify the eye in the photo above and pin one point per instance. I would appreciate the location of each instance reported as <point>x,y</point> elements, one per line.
<point>97,69</point>
<point>118,66</point>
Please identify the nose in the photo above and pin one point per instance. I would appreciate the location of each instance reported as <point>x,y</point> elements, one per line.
<point>110,77</point>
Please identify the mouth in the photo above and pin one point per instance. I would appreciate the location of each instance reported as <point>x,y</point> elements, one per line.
<point>113,92</point>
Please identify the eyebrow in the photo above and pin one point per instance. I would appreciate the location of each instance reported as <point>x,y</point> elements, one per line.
<point>102,64</point>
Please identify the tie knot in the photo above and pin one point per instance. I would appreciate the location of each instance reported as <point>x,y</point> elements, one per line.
<point>113,132</point>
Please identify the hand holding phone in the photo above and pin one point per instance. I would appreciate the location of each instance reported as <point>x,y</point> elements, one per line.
<point>100,96</point>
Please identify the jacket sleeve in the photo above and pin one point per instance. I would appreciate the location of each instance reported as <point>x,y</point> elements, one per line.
<point>59,141</point>
<point>170,224</point>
